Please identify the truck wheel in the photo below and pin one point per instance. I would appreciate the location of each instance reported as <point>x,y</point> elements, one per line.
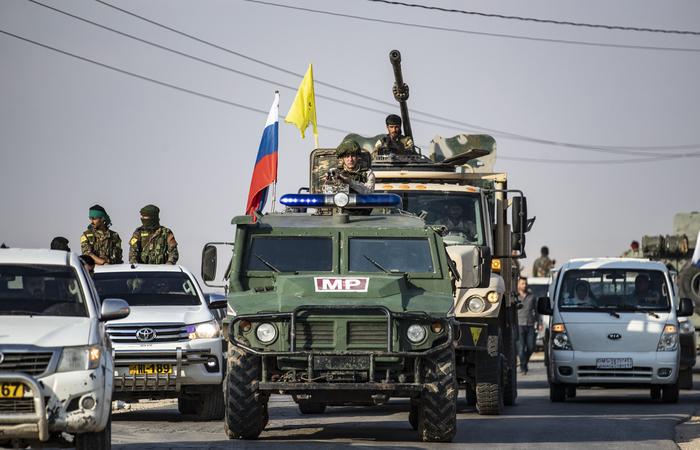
<point>211,406</point>
<point>489,374</point>
<point>685,378</point>
<point>557,392</point>
<point>102,440</point>
<point>245,405</point>
<point>510,387</point>
<point>437,413</point>
<point>656,392</point>
<point>312,408</point>
<point>571,392</point>
<point>689,284</point>
<point>413,415</point>
<point>670,393</point>
<point>186,406</point>
<point>470,395</point>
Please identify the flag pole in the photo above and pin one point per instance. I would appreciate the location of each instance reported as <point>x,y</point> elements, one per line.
<point>315,122</point>
<point>274,194</point>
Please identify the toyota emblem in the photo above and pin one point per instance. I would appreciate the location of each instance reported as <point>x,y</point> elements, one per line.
<point>614,336</point>
<point>146,334</point>
<point>2,357</point>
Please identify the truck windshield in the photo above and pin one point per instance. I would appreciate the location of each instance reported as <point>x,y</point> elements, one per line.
<point>147,288</point>
<point>291,254</point>
<point>618,289</point>
<point>41,290</point>
<point>460,212</point>
<point>394,255</point>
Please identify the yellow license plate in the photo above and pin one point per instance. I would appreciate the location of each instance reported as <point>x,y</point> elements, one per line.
<point>11,390</point>
<point>150,368</point>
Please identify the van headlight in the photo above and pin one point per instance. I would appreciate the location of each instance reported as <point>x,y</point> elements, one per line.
<point>206,330</point>
<point>668,341</point>
<point>79,358</point>
<point>560,338</point>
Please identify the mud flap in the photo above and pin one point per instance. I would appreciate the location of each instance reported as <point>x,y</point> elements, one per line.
<point>472,336</point>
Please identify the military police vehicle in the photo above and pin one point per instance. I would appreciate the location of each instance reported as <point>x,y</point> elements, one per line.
<point>335,308</point>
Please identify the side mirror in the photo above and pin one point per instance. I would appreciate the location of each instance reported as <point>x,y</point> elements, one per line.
<point>519,214</point>
<point>217,301</point>
<point>113,309</point>
<point>686,307</point>
<point>485,266</point>
<point>543,306</point>
<point>209,263</point>
<point>517,242</point>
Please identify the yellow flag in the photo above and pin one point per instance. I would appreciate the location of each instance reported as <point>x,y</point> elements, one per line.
<point>303,110</point>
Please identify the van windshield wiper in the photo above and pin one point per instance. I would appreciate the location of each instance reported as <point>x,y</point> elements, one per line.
<point>597,308</point>
<point>267,263</point>
<point>376,264</point>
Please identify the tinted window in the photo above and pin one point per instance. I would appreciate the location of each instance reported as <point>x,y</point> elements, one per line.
<point>394,255</point>
<point>147,288</point>
<point>41,290</point>
<point>291,254</point>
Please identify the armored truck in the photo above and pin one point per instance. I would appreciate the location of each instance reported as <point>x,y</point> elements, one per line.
<point>335,308</point>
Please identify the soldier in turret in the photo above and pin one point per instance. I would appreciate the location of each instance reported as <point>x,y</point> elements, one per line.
<point>394,143</point>
<point>152,243</point>
<point>359,180</point>
<point>99,242</point>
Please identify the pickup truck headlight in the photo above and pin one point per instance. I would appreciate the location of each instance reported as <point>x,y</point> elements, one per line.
<point>79,358</point>
<point>206,330</point>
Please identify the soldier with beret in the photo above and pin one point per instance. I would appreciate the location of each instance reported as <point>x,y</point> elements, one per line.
<point>152,243</point>
<point>359,180</point>
<point>99,242</point>
<point>394,142</point>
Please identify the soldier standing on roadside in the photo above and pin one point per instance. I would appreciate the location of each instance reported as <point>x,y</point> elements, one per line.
<point>152,243</point>
<point>543,264</point>
<point>99,242</point>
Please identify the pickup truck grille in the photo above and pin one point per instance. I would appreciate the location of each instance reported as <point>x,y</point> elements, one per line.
<point>164,332</point>
<point>30,363</point>
<point>20,405</point>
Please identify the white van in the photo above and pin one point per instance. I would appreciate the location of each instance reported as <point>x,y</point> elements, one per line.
<point>614,324</point>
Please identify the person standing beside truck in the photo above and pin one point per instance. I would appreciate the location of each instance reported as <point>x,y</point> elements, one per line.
<point>527,322</point>
<point>152,243</point>
<point>543,264</point>
<point>99,242</point>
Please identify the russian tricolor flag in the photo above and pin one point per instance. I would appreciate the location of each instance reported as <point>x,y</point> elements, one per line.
<point>265,171</point>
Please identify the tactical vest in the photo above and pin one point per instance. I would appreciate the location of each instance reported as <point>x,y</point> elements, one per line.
<point>113,239</point>
<point>360,175</point>
<point>161,246</point>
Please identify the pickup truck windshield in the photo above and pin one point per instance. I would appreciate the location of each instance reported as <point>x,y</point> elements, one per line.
<point>291,254</point>
<point>147,288</point>
<point>460,212</point>
<point>42,290</point>
<point>394,255</point>
<point>617,289</point>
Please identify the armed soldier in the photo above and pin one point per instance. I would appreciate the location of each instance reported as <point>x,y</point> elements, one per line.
<point>152,243</point>
<point>359,180</point>
<point>99,242</point>
<point>394,143</point>
<point>542,265</point>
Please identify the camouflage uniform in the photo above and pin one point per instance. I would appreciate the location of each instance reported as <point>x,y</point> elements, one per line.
<point>542,266</point>
<point>106,245</point>
<point>157,247</point>
<point>404,145</point>
<point>362,181</point>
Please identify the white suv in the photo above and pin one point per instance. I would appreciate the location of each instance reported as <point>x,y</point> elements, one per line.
<point>171,345</point>
<point>56,368</point>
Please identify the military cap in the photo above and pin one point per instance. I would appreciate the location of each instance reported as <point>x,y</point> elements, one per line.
<point>348,147</point>
<point>393,119</point>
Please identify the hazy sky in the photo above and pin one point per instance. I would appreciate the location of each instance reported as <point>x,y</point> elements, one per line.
<point>181,130</point>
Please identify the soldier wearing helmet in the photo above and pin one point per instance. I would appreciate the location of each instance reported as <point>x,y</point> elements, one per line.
<point>358,179</point>
<point>393,143</point>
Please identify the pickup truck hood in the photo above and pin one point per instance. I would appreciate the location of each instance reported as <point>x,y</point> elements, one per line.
<point>166,314</point>
<point>45,331</point>
<point>390,291</point>
<point>590,331</point>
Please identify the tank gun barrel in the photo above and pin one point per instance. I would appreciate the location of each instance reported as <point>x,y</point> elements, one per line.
<point>400,91</point>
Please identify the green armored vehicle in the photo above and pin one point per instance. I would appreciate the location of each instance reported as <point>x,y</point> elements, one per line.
<point>333,309</point>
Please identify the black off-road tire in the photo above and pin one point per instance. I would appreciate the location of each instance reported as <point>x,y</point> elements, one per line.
<point>571,392</point>
<point>413,415</point>
<point>245,406</point>
<point>187,406</point>
<point>655,392</point>
<point>685,378</point>
<point>489,374</point>
<point>312,408</point>
<point>689,284</point>
<point>102,440</point>
<point>670,393</point>
<point>557,392</point>
<point>211,406</point>
<point>437,413</point>
<point>510,382</point>
<point>470,395</point>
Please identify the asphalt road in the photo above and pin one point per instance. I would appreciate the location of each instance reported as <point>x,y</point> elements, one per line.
<point>596,418</point>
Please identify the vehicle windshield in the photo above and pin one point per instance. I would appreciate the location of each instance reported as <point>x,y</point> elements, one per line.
<point>148,288</point>
<point>393,255</point>
<point>618,289</point>
<point>538,290</point>
<point>291,254</point>
<point>460,212</point>
<point>41,290</point>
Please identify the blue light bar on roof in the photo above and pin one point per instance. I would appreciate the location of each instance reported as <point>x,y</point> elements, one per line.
<point>341,200</point>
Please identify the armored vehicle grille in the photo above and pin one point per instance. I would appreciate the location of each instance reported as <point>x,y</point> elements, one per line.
<point>164,332</point>
<point>367,333</point>
<point>30,363</point>
<point>20,405</point>
<point>314,333</point>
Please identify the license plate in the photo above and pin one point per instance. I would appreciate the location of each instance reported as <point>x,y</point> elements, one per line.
<point>11,390</point>
<point>613,363</point>
<point>150,368</point>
